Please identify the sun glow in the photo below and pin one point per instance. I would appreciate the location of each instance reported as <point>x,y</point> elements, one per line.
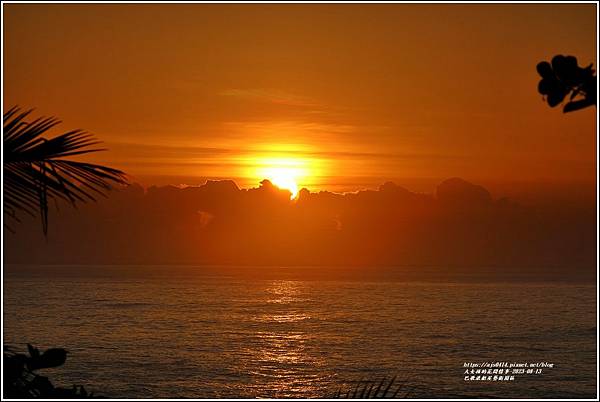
<point>283,178</point>
<point>284,173</point>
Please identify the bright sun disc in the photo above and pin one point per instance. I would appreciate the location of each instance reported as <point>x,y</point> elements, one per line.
<point>284,173</point>
<point>284,178</point>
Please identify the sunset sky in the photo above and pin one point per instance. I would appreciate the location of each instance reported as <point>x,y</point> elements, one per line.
<point>338,97</point>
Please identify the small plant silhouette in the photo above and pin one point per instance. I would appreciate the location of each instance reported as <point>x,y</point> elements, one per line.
<point>562,77</point>
<point>21,380</point>
<point>369,389</point>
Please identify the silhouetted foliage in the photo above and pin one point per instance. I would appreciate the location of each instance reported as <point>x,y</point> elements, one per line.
<point>369,389</point>
<point>35,171</point>
<point>562,77</point>
<point>21,380</point>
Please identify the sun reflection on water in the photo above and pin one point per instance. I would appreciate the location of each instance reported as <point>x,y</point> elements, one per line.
<point>284,356</point>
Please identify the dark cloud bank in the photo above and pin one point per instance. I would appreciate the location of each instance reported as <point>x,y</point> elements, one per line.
<point>460,231</point>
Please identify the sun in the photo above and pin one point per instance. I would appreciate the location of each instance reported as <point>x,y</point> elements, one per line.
<point>285,173</point>
<point>284,178</point>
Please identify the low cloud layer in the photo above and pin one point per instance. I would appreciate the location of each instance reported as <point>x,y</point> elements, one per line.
<point>459,229</point>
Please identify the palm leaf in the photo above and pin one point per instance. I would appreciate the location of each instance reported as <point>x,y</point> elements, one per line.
<point>35,169</point>
<point>367,390</point>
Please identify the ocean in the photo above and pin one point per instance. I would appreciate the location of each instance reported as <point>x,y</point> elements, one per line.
<point>160,332</point>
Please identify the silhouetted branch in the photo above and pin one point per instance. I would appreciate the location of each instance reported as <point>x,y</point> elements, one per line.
<point>21,381</point>
<point>563,77</point>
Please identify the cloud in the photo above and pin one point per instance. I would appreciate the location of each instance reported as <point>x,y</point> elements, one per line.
<point>459,229</point>
<point>272,96</point>
<point>286,103</point>
<point>181,153</point>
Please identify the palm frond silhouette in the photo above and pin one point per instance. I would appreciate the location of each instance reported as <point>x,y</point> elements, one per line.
<point>369,389</point>
<point>35,169</point>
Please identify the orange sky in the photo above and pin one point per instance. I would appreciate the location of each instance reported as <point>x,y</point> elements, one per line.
<point>348,95</point>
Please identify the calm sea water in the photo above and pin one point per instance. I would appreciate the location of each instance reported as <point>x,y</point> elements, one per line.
<point>141,332</point>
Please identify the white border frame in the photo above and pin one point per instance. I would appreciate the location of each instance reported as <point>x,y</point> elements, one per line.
<point>304,2</point>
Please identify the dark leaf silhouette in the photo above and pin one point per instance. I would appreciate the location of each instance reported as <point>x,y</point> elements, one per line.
<point>33,351</point>
<point>35,170</point>
<point>562,77</point>
<point>50,358</point>
<point>21,381</point>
